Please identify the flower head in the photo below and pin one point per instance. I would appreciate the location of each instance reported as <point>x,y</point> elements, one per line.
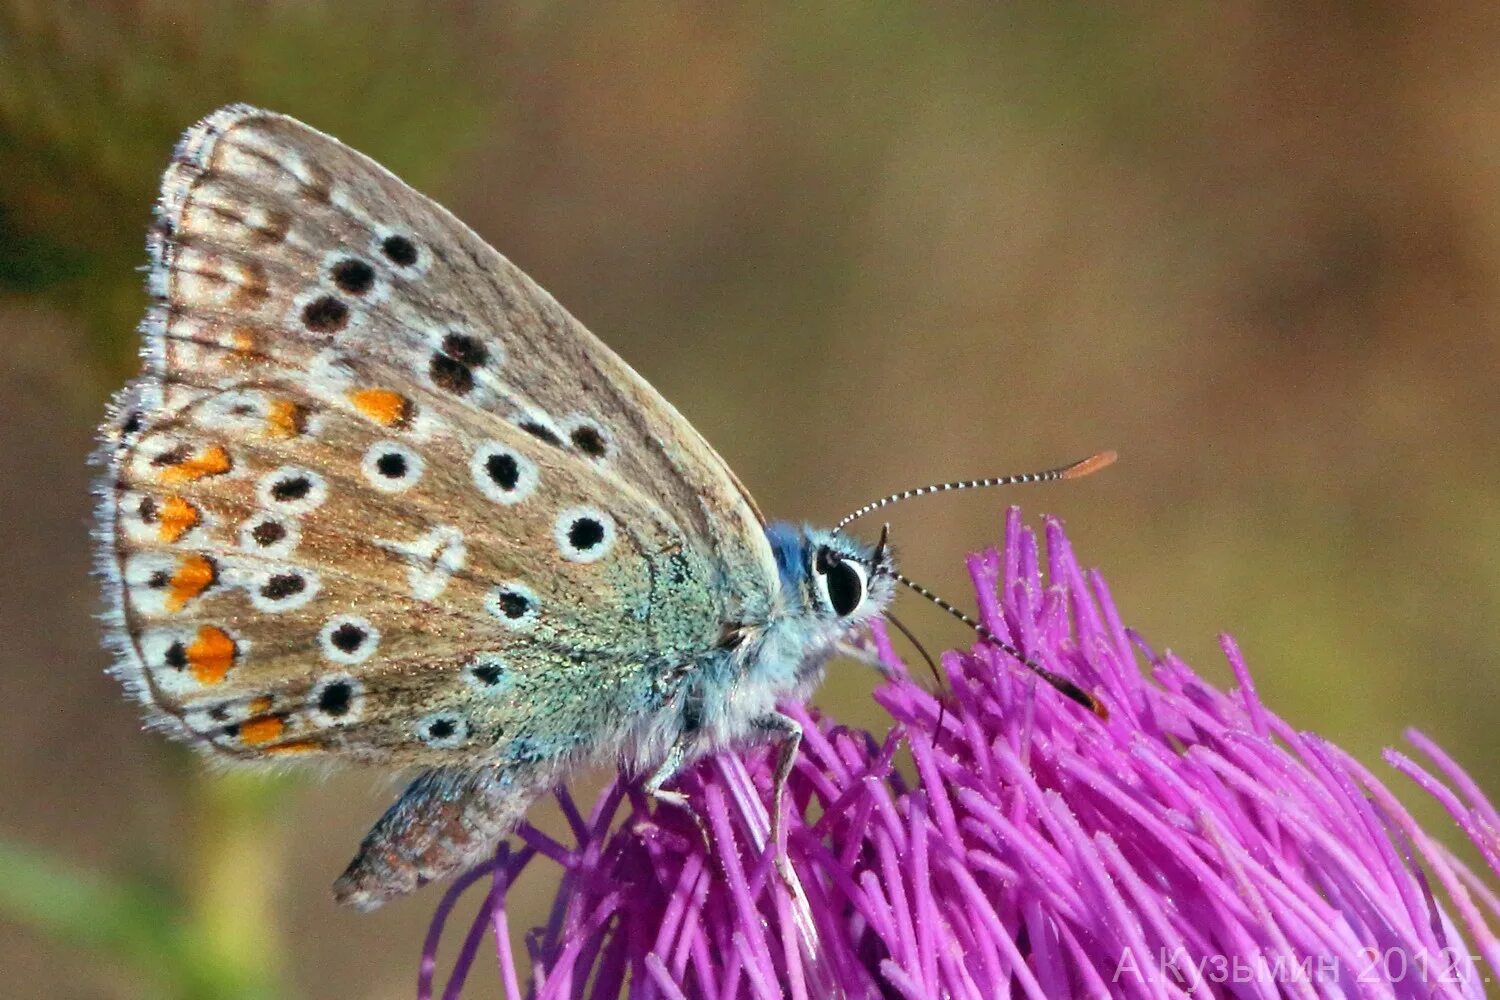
<point>1192,844</point>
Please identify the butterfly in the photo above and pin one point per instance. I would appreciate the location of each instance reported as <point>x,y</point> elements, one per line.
<point>377,498</point>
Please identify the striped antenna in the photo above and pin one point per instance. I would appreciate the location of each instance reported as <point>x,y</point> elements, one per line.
<point>1076,470</point>
<point>1058,681</point>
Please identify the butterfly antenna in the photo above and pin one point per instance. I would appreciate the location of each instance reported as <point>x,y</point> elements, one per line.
<point>1076,470</point>
<point>931,665</point>
<point>1058,681</point>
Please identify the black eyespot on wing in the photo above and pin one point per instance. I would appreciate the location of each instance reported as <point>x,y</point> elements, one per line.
<point>172,456</point>
<point>336,698</point>
<point>348,637</point>
<point>443,729</point>
<point>283,585</point>
<point>291,488</point>
<point>159,579</point>
<point>176,656</point>
<point>325,314</point>
<point>513,604</point>
<point>585,533</point>
<point>353,275</point>
<point>465,349</point>
<point>399,250</point>
<point>589,441</point>
<point>541,432</point>
<point>268,533</point>
<point>846,589</point>
<point>503,470</point>
<point>450,374</point>
<point>391,465</point>
<point>487,673</point>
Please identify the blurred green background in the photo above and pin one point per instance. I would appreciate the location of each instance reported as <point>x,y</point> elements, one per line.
<point>1253,246</point>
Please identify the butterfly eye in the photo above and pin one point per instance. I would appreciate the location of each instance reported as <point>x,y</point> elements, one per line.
<point>842,582</point>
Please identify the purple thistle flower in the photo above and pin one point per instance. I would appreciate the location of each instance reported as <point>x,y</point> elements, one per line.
<point>1192,845</point>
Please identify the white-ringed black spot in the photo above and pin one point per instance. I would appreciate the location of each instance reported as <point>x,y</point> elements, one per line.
<point>465,349</point>
<point>282,589</point>
<point>268,535</point>
<point>541,432</point>
<point>325,314</point>
<point>158,579</point>
<point>442,730</point>
<point>132,423</point>
<point>503,470</point>
<point>584,534</point>
<point>176,656</point>
<point>348,639</point>
<point>399,251</point>
<point>283,585</point>
<point>450,374</point>
<point>487,673</point>
<point>514,605</point>
<point>292,490</point>
<point>589,440</point>
<point>336,700</point>
<point>353,275</point>
<point>391,467</point>
<point>502,474</point>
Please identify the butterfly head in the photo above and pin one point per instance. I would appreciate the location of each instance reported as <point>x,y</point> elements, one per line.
<point>832,577</point>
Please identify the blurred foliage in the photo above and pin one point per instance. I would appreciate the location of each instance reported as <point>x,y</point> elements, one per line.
<point>213,939</point>
<point>1255,247</point>
<point>93,96</point>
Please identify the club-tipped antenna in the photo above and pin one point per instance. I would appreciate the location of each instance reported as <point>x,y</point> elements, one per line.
<point>1064,686</point>
<point>1074,470</point>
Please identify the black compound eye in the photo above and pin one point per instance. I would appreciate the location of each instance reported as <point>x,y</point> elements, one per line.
<point>844,584</point>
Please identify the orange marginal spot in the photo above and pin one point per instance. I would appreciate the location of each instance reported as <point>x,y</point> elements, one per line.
<point>194,575</point>
<point>385,407</point>
<point>242,340</point>
<point>210,655</point>
<point>175,518</point>
<point>211,461</point>
<point>295,746</point>
<point>261,730</point>
<point>261,705</point>
<point>284,419</point>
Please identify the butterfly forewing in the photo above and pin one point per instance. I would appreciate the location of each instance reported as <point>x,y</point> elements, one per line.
<point>379,496</point>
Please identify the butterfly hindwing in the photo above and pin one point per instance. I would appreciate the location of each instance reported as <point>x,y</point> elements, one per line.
<point>343,591</point>
<point>378,496</point>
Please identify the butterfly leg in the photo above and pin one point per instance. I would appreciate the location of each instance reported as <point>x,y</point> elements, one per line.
<point>446,821</point>
<point>664,773</point>
<point>786,733</point>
